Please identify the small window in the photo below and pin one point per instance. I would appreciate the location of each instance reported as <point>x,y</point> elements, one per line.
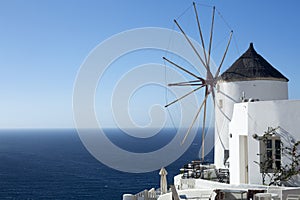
<point>278,165</point>
<point>220,103</point>
<point>270,153</point>
<point>269,144</point>
<point>277,144</point>
<point>218,88</point>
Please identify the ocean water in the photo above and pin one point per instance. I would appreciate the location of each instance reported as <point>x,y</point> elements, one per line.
<point>53,164</point>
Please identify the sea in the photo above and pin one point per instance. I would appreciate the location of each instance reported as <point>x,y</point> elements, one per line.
<point>54,164</point>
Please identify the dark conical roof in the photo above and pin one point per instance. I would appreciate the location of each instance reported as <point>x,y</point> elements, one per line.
<point>251,66</point>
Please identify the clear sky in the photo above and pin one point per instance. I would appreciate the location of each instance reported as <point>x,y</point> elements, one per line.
<point>43,44</point>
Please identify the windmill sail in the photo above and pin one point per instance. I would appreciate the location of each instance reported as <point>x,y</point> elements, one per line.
<point>208,82</point>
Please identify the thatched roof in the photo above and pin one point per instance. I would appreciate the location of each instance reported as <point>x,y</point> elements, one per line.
<point>251,66</point>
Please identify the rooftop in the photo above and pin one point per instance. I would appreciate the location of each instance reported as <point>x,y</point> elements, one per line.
<point>252,66</point>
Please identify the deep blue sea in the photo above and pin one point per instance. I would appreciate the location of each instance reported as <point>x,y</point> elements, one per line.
<point>54,164</point>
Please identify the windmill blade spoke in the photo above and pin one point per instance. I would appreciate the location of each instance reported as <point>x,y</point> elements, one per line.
<point>211,35</point>
<point>182,83</point>
<point>185,84</point>
<point>219,68</point>
<point>191,44</point>
<point>187,94</point>
<point>203,124</point>
<point>194,120</point>
<point>183,69</point>
<point>213,94</point>
<point>200,32</point>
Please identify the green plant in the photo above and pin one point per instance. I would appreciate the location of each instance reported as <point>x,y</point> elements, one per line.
<point>271,164</point>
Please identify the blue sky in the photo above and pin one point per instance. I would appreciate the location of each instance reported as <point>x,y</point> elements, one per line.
<point>43,44</point>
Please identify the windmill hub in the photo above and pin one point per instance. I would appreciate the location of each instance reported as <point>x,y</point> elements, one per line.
<point>210,81</point>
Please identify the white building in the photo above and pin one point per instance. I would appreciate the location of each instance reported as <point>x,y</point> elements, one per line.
<point>251,78</point>
<point>251,97</point>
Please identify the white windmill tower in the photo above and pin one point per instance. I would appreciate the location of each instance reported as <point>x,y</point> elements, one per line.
<point>250,78</point>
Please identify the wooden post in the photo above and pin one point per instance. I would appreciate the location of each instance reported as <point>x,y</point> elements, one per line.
<point>174,193</point>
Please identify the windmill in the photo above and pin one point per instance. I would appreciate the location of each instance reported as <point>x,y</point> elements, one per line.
<point>206,83</point>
